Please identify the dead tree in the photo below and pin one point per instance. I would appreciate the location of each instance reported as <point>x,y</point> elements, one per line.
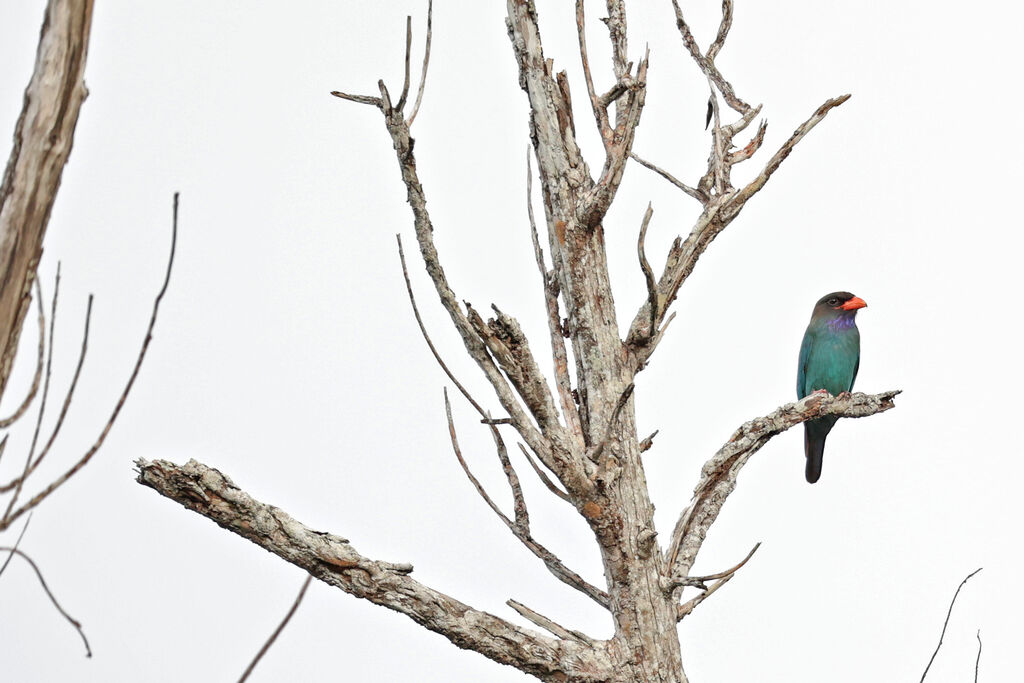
<point>579,435</point>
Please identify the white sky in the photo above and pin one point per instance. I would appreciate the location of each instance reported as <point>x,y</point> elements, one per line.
<point>286,354</point>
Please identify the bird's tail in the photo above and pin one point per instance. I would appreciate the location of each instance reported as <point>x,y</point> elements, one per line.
<point>815,432</point>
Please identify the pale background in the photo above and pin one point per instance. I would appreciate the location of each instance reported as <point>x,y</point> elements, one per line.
<point>287,356</point>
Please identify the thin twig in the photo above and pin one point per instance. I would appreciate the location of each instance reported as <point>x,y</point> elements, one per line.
<point>547,624</point>
<point>542,475</point>
<point>946,622</point>
<point>426,337</point>
<point>688,606</point>
<point>699,195</point>
<point>646,444</point>
<point>19,483</point>
<point>600,111</point>
<point>645,266</point>
<point>39,497</point>
<point>71,620</point>
<point>699,581</point>
<point>7,422</point>
<point>465,468</point>
<point>977,661</point>
<point>277,631</point>
<point>550,560</point>
<point>408,54</point>
<point>518,500</point>
<point>361,99</point>
<point>71,391</point>
<point>10,555</point>
<point>426,60</point>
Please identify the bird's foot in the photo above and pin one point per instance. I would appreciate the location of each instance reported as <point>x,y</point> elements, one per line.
<point>843,394</point>
<point>821,391</point>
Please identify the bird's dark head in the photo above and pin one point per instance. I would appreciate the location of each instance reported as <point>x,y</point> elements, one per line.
<point>838,305</point>
<point>840,302</point>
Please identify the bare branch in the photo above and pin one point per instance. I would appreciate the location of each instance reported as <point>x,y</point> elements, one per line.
<point>600,109</point>
<point>541,443</point>
<point>646,444</point>
<point>977,661</point>
<point>684,609</point>
<point>465,468</point>
<point>945,624</point>
<point>430,343</point>
<point>10,556</point>
<point>699,195</point>
<point>705,63</point>
<point>522,531</point>
<point>720,579</point>
<point>7,422</point>
<point>542,475</point>
<point>645,266</point>
<point>408,52</point>
<point>361,99</point>
<point>699,581</point>
<point>334,561</point>
<point>718,475</point>
<point>548,624</point>
<point>522,519</point>
<point>740,198</point>
<point>277,631</point>
<point>70,394</point>
<point>19,482</point>
<point>42,582</point>
<point>426,61</point>
<point>59,481</point>
<point>723,31</point>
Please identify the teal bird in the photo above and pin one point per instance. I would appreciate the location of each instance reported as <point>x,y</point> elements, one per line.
<point>829,359</point>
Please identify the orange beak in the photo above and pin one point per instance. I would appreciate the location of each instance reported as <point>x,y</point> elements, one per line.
<point>854,303</point>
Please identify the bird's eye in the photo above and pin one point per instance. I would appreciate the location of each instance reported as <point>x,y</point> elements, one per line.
<point>833,302</point>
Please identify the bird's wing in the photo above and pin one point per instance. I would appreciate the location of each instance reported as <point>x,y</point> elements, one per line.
<point>801,370</point>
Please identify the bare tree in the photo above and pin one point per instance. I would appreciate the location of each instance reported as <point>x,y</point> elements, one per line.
<point>578,435</point>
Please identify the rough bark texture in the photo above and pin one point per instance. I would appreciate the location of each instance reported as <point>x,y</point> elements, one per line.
<point>42,143</point>
<point>332,560</point>
<point>586,434</point>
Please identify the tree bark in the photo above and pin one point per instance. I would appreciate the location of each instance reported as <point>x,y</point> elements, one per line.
<point>42,143</point>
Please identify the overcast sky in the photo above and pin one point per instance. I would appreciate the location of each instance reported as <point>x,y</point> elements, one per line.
<point>286,354</point>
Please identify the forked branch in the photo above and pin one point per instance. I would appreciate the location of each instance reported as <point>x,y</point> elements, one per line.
<point>718,476</point>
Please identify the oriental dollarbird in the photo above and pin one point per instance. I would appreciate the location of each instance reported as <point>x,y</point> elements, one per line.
<point>829,359</point>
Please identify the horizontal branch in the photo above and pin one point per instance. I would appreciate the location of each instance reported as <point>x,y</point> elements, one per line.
<point>718,476</point>
<point>332,560</point>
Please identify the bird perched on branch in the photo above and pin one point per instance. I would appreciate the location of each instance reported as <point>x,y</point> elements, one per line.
<point>829,359</point>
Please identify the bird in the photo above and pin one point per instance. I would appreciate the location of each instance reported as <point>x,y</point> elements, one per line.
<point>829,360</point>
